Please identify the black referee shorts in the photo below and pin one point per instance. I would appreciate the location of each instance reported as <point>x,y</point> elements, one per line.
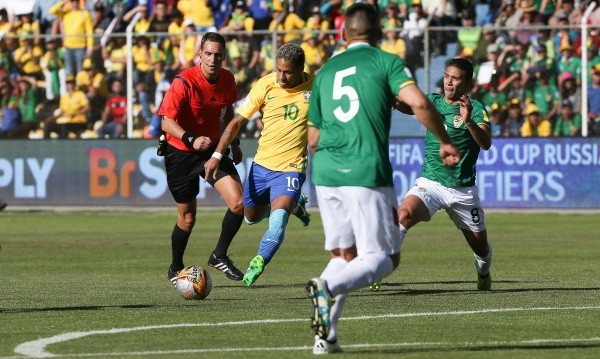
<point>184,170</point>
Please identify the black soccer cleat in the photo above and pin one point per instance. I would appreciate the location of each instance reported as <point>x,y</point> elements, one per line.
<point>172,275</point>
<point>226,266</point>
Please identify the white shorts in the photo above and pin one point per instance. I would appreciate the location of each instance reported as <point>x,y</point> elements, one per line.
<point>363,216</point>
<point>461,203</point>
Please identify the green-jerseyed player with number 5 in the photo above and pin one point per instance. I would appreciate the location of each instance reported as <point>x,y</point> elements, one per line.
<point>349,124</point>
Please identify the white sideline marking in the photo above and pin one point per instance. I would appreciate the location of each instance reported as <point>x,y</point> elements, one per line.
<point>37,348</point>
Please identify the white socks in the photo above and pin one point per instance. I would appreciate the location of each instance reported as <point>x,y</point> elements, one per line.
<point>483,264</point>
<point>333,267</point>
<point>359,273</point>
<point>342,277</point>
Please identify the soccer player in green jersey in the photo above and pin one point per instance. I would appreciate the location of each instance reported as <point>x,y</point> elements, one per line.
<point>453,188</point>
<point>349,124</point>
<point>274,184</point>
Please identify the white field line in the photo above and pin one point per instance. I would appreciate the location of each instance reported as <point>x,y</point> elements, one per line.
<point>37,348</point>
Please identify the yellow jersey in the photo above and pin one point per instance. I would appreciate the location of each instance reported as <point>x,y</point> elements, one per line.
<point>283,140</point>
<point>71,104</point>
<point>77,23</point>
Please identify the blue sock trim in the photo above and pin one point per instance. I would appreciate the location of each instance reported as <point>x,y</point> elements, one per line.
<point>273,237</point>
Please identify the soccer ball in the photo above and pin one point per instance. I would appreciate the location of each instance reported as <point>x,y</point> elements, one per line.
<point>193,283</point>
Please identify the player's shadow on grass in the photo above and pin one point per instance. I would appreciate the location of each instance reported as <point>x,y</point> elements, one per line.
<point>481,348</point>
<point>86,307</point>
<point>402,289</point>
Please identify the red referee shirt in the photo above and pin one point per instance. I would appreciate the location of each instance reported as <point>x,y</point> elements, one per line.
<point>197,105</point>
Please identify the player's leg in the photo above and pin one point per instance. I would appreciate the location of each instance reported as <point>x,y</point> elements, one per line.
<point>468,216</point>
<point>339,259</point>
<point>182,178</point>
<point>340,242</point>
<point>230,188</point>
<point>482,251</point>
<point>419,203</point>
<point>257,204</point>
<point>186,218</point>
<point>300,210</point>
<point>272,239</point>
<point>375,225</point>
<point>284,189</point>
<point>372,215</point>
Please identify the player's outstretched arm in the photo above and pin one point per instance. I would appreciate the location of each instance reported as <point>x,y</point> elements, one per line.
<point>236,151</point>
<point>229,134</point>
<point>427,114</point>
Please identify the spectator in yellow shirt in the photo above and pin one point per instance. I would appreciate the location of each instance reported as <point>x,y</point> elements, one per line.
<point>26,26</point>
<point>200,12</point>
<point>176,27</point>
<point>189,45</point>
<point>321,25</point>
<point>287,21</point>
<point>115,58</point>
<point>535,125</point>
<point>78,33</point>
<point>27,58</point>
<point>314,52</point>
<point>142,26</point>
<point>52,63</point>
<point>393,43</point>
<point>143,74</point>
<point>70,117</point>
<point>94,85</point>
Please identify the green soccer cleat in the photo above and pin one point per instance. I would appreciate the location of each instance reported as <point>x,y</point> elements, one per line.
<point>376,285</point>
<point>321,302</point>
<point>257,266</point>
<point>484,282</point>
<point>300,210</point>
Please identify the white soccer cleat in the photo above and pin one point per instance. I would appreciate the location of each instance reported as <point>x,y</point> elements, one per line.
<point>324,347</point>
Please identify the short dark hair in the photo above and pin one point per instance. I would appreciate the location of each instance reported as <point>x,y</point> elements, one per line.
<point>363,19</point>
<point>213,37</point>
<point>292,53</point>
<point>463,64</point>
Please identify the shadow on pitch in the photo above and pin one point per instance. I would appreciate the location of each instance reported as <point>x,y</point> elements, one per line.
<point>479,349</point>
<point>402,288</point>
<point>86,307</point>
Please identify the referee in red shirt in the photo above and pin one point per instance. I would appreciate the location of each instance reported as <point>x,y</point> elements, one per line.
<point>199,99</point>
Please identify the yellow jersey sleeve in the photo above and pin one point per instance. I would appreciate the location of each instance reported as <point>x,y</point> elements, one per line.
<point>283,140</point>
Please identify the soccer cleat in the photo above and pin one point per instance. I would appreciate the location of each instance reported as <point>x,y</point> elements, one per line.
<point>376,285</point>
<point>300,210</point>
<point>322,346</point>
<point>172,275</point>
<point>257,266</point>
<point>484,282</point>
<point>322,302</point>
<point>226,266</point>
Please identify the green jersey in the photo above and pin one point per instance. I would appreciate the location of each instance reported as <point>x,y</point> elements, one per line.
<point>463,174</point>
<point>350,104</point>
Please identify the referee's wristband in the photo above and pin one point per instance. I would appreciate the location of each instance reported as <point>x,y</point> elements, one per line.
<point>217,155</point>
<point>188,139</point>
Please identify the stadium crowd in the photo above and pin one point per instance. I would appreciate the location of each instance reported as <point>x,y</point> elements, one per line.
<point>63,65</point>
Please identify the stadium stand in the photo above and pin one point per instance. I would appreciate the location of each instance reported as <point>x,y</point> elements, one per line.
<point>522,52</point>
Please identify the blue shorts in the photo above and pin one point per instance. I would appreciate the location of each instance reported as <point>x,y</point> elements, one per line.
<point>264,185</point>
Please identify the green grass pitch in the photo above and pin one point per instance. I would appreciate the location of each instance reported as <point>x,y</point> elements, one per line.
<point>93,284</point>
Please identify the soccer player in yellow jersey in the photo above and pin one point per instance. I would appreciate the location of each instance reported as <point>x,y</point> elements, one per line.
<point>276,176</point>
